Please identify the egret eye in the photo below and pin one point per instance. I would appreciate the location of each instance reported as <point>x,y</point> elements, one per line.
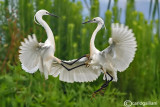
<point>94,19</point>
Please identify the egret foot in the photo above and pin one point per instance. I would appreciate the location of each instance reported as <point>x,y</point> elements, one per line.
<point>99,91</point>
<point>102,87</point>
<point>93,96</point>
<point>88,56</point>
<point>87,64</point>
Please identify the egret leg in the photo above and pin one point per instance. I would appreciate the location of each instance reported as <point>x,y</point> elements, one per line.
<point>104,85</point>
<point>110,76</point>
<point>68,69</point>
<point>107,82</point>
<point>87,55</point>
<point>73,67</point>
<point>87,63</point>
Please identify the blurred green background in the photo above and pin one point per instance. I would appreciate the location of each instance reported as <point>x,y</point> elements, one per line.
<point>140,82</point>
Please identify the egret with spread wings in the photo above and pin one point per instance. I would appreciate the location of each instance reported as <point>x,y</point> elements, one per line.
<point>116,57</point>
<point>34,55</point>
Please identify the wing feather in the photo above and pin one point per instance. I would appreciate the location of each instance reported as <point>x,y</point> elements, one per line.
<point>122,47</point>
<point>80,74</point>
<point>29,54</point>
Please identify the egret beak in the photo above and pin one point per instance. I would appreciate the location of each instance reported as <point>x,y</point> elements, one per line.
<point>52,15</point>
<point>87,22</point>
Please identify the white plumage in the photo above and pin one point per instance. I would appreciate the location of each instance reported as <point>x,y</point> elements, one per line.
<point>115,57</point>
<point>30,54</point>
<point>34,55</point>
<point>122,50</point>
<point>80,74</point>
<point>118,55</point>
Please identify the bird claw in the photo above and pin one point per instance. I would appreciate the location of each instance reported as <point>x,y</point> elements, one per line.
<point>88,56</point>
<point>101,91</point>
<point>93,96</point>
<point>87,65</point>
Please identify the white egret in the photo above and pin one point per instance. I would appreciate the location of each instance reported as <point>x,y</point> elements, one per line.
<point>34,55</point>
<point>116,57</point>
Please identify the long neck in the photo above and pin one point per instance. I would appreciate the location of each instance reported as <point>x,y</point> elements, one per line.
<point>48,31</point>
<point>92,45</point>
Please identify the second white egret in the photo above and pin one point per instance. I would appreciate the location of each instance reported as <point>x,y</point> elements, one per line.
<point>116,57</point>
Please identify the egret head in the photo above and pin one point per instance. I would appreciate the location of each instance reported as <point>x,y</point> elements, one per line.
<point>44,12</point>
<point>41,13</point>
<point>95,20</point>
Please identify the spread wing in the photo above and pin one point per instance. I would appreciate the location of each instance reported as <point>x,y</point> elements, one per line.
<point>80,74</point>
<point>29,54</point>
<point>122,48</point>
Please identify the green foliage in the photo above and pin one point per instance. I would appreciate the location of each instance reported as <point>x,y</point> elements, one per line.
<point>140,82</point>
